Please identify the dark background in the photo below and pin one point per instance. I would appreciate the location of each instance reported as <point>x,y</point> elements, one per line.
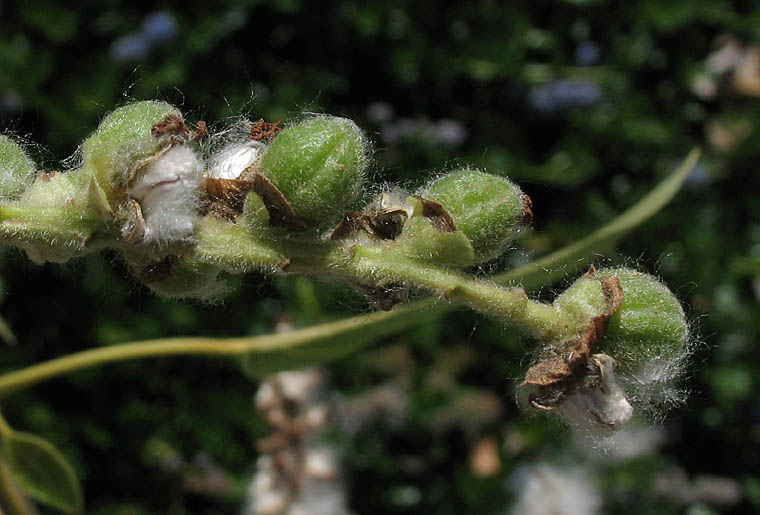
<point>587,104</point>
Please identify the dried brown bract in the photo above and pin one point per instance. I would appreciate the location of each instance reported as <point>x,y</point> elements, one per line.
<point>438,216</point>
<point>200,132</point>
<point>527,217</point>
<point>567,366</point>
<point>280,211</point>
<point>264,131</point>
<point>384,219</point>
<point>352,222</point>
<point>171,126</point>
<point>224,197</point>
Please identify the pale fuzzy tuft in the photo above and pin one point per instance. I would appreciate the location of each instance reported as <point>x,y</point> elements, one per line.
<point>234,159</point>
<point>549,490</point>
<point>600,411</point>
<point>654,388</point>
<point>167,190</point>
<point>633,441</point>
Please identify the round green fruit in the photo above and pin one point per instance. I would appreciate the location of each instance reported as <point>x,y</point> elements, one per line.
<point>318,166</point>
<point>488,209</point>
<point>649,326</point>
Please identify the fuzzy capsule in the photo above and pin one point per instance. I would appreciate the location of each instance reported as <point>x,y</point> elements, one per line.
<point>625,342</point>
<point>649,329</point>
<point>318,166</point>
<point>122,140</point>
<point>17,170</point>
<point>488,209</point>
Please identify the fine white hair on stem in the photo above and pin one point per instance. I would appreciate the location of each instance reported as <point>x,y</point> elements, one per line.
<point>167,191</point>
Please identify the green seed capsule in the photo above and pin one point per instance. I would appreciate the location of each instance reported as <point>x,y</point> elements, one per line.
<point>17,170</point>
<point>124,138</point>
<point>487,209</point>
<point>318,165</point>
<point>648,328</point>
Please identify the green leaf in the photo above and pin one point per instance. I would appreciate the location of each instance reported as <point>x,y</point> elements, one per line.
<point>326,342</point>
<point>6,333</point>
<point>41,471</point>
<point>558,264</point>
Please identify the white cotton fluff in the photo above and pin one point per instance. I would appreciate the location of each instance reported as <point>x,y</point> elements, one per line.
<point>167,190</point>
<point>232,160</point>
<point>600,411</point>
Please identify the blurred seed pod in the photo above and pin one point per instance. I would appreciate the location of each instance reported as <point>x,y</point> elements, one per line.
<point>649,329</point>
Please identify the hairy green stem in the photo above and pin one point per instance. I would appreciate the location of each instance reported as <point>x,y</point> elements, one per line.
<point>234,249</point>
<point>231,246</point>
<point>511,305</point>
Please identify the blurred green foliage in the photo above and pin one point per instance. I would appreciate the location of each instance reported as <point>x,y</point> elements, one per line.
<point>586,103</point>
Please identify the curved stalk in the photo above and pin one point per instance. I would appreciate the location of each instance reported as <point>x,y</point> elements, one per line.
<point>360,330</point>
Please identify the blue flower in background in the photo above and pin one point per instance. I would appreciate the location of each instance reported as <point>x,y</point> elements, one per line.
<point>130,48</point>
<point>159,27</point>
<point>559,95</point>
<point>155,29</point>
<point>587,53</point>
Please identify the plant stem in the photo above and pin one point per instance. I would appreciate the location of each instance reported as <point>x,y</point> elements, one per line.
<point>232,246</point>
<point>12,501</point>
<point>364,329</point>
<point>510,305</point>
<point>384,264</point>
<point>234,249</point>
